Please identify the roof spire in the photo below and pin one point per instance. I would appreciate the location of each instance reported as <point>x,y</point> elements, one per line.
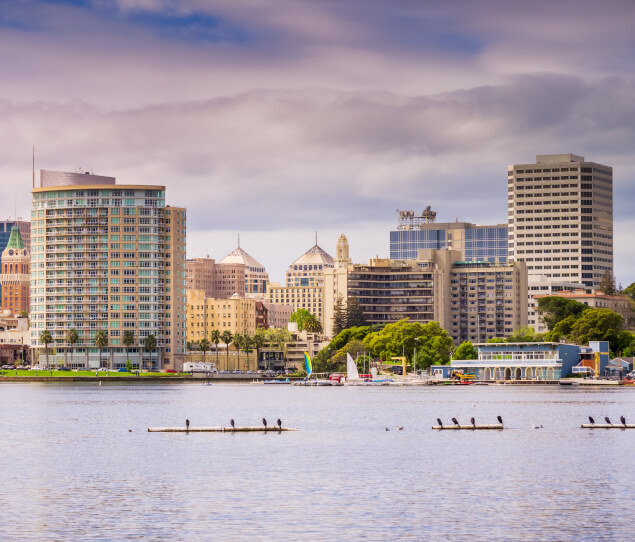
<point>316,239</point>
<point>238,239</point>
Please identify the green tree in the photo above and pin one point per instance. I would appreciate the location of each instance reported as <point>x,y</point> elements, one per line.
<point>128,341</point>
<point>238,341</point>
<point>554,309</point>
<point>630,291</point>
<point>226,337</point>
<point>465,350</point>
<point>496,340</point>
<point>258,340</point>
<point>215,338</point>
<point>354,313</point>
<point>72,336</point>
<point>101,341</point>
<point>348,334</point>
<point>150,345</point>
<point>299,317</point>
<point>561,330</point>
<point>339,316</point>
<point>525,334</point>
<point>597,325</point>
<point>607,284</point>
<point>204,346</point>
<point>46,339</point>
<point>129,366</point>
<point>246,345</point>
<point>312,325</point>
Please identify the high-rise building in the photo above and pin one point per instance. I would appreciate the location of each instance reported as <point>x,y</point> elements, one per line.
<point>561,218</point>
<point>14,275</point>
<point>107,257</point>
<point>256,277</point>
<point>217,280</point>
<point>475,242</point>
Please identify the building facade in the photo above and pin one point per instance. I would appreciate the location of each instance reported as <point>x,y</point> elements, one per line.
<point>475,242</point>
<point>14,275</point>
<point>6,226</point>
<point>217,280</point>
<point>107,257</point>
<point>255,278</point>
<point>560,211</point>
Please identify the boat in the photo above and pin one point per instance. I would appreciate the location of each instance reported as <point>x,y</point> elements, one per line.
<point>353,377</point>
<point>308,381</point>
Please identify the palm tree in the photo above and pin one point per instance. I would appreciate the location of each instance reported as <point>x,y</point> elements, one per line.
<point>203,346</point>
<point>226,337</point>
<point>101,341</point>
<point>150,344</point>
<point>312,325</point>
<point>46,339</point>
<point>72,336</point>
<point>246,345</point>
<point>238,342</point>
<point>215,337</point>
<point>128,341</point>
<point>258,340</point>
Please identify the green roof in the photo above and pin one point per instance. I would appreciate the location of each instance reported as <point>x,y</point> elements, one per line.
<point>15,240</point>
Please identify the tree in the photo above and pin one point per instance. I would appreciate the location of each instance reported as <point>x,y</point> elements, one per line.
<point>72,336</point>
<point>339,316</point>
<point>226,337</point>
<point>238,341</point>
<point>246,345</point>
<point>46,339</point>
<point>465,350</point>
<point>597,325</point>
<point>525,334</point>
<point>215,338</point>
<point>258,340</point>
<point>101,341</point>
<point>354,313</point>
<point>630,291</point>
<point>203,346</point>
<point>554,309</point>
<point>149,345</point>
<point>561,329</point>
<point>299,317</point>
<point>348,334</point>
<point>312,325</point>
<point>607,284</point>
<point>128,341</point>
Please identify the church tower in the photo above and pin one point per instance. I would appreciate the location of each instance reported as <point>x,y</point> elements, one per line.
<point>16,261</point>
<point>342,258</point>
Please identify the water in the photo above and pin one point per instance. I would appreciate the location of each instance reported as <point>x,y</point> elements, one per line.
<point>70,469</point>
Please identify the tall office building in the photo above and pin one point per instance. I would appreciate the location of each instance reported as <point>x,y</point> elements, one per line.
<point>561,218</point>
<point>475,242</point>
<point>107,257</point>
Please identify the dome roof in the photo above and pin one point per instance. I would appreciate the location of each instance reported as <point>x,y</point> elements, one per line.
<point>238,255</point>
<point>315,255</point>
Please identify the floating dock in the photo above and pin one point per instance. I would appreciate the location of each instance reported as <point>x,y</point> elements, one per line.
<point>468,427</point>
<point>259,429</point>
<point>607,426</point>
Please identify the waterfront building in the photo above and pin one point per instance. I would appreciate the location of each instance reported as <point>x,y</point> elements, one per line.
<point>107,257</point>
<point>530,361</point>
<point>304,282</point>
<point>256,277</point>
<point>15,340</point>
<point>14,275</point>
<point>560,218</point>
<point>474,242</point>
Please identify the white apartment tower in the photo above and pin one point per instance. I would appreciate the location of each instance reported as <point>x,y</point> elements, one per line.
<point>107,257</point>
<point>560,218</point>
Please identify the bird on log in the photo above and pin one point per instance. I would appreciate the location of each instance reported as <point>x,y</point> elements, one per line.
<point>232,423</point>
<point>606,419</point>
<point>623,420</point>
<point>591,420</point>
<point>455,421</point>
<point>439,422</point>
<point>264,422</point>
<point>279,422</point>
<point>473,422</point>
<point>500,420</point>
<point>187,424</point>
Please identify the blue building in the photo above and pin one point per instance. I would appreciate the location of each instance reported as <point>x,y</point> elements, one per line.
<point>476,242</point>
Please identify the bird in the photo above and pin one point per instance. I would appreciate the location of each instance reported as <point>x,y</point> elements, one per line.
<point>473,405</point>
<point>473,422</point>
<point>232,423</point>
<point>399,428</point>
<point>439,422</point>
<point>264,422</point>
<point>387,429</point>
<point>187,424</point>
<point>500,420</point>
<point>606,419</point>
<point>623,420</point>
<point>279,422</point>
<point>455,421</point>
<point>591,420</point>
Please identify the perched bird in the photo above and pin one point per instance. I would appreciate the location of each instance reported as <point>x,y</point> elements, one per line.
<point>473,422</point>
<point>232,423</point>
<point>591,420</point>
<point>623,420</point>
<point>399,428</point>
<point>279,422</point>
<point>264,422</point>
<point>500,420</point>
<point>455,421</point>
<point>439,422</point>
<point>187,424</point>
<point>606,419</point>
<point>387,429</point>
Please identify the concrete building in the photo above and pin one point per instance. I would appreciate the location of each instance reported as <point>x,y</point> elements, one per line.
<point>14,275</point>
<point>256,277</point>
<point>107,257</point>
<point>217,280</point>
<point>278,315</point>
<point>561,218</point>
<point>474,242</point>
<point>305,280</point>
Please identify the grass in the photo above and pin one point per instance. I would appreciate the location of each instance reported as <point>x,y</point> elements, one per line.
<point>104,374</point>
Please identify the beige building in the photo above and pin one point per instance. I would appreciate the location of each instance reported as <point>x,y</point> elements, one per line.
<point>217,280</point>
<point>560,218</point>
<point>305,280</point>
<point>107,257</point>
<point>256,277</point>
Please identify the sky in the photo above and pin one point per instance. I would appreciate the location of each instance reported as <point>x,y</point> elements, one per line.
<point>277,118</point>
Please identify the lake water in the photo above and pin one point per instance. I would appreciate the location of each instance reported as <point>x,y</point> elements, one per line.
<point>71,470</point>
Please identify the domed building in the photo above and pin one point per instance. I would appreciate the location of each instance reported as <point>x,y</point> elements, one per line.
<point>256,276</point>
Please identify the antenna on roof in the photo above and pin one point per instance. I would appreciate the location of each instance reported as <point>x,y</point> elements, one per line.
<point>238,239</point>
<point>316,238</point>
<point>33,167</point>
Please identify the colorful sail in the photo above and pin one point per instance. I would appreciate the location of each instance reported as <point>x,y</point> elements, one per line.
<point>309,367</point>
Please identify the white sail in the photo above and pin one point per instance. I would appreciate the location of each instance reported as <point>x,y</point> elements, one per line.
<point>373,373</point>
<point>351,368</point>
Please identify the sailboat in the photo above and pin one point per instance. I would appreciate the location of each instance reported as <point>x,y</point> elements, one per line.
<point>353,378</point>
<point>308,381</point>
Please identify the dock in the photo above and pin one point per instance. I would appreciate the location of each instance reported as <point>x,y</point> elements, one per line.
<point>468,427</point>
<point>258,429</point>
<point>607,426</point>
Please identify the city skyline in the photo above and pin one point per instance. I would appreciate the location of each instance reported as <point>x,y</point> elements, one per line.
<point>275,119</point>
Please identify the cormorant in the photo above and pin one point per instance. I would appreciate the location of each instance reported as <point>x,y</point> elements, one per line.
<point>400,428</point>
<point>606,419</point>
<point>264,422</point>
<point>439,422</point>
<point>187,424</point>
<point>455,421</point>
<point>591,420</point>
<point>387,429</point>
<point>500,420</point>
<point>623,420</point>
<point>473,422</point>
<point>279,422</point>
<point>232,423</point>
